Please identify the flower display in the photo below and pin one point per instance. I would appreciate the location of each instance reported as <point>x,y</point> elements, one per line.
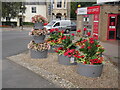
<point>38,46</point>
<point>39,32</point>
<point>90,51</point>
<point>68,48</point>
<point>39,18</point>
<point>56,37</point>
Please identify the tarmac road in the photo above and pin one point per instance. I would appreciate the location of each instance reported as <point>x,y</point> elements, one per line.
<point>14,75</point>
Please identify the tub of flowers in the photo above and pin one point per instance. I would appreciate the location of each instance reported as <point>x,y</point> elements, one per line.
<point>39,21</point>
<point>38,50</point>
<point>67,51</point>
<point>90,61</point>
<point>55,39</point>
<point>38,35</point>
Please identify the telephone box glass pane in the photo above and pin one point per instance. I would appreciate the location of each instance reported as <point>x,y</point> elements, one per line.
<point>111,34</point>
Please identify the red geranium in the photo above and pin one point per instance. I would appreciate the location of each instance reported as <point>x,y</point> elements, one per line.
<point>88,33</point>
<point>78,30</point>
<point>73,34</point>
<point>85,29</point>
<point>52,30</point>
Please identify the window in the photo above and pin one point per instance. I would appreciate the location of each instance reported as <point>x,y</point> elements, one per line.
<point>33,9</point>
<point>59,3</point>
<point>57,24</point>
<point>64,3</point>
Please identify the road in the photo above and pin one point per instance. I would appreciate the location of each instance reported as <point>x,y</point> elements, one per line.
<point>14,75</point>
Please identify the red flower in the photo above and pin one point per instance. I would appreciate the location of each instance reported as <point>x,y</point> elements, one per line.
<point>56,29</point>
<point>83,46</point>
<point>78,56</point>
<point>60,48</point>
<point>52,30</point>
<point>73,34</point>
<point>91,42</point>
<point>72,50</point>
<point>89,47</point>
<point>85,29</point>
<point>88,33</point>
<point>91,39</point>
<point>82,56</point>
<point>66,53</point>
<point>78,30</point>
<point>85,62</point>
<point>97,45</point>
<point>45,24</point>
<point>75,55</point>
<point>63,38</point>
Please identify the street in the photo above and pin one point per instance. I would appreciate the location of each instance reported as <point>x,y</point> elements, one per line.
<point>14,75</point>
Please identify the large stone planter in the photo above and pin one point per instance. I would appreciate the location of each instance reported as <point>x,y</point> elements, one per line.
<point>90,70</point>
<point>38,25</point>
<point>65,60</point>
<point>39,39</point>
<point>38,54</point>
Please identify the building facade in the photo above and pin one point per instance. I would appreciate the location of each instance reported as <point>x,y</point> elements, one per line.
<point>102,21</point>
<point>59,9</point>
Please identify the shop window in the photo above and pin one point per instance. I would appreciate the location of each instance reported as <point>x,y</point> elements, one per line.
<point>33,9</point>
<point>111,34</point>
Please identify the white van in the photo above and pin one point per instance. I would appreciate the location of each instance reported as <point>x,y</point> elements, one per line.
<point>60,24</point>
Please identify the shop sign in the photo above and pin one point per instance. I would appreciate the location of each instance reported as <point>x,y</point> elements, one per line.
<point>82,11</point>
<point>93,10</point>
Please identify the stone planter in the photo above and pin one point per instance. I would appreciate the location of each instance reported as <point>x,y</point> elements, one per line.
<point>39,39</point>
<point>38,25</point>
<point>38,54</point>
<point>89,70</point>
<point>65,60</point>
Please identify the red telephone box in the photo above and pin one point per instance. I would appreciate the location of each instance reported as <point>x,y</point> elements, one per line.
<point>112,23</point>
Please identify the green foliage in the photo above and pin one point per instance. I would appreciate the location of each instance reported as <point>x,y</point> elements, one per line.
<point>10,9</point>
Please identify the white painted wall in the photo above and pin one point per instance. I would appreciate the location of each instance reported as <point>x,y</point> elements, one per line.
<point>40,9</point>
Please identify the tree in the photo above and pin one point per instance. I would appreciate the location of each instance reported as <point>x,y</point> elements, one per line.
<point>10,10</point>
<point>74,7</point>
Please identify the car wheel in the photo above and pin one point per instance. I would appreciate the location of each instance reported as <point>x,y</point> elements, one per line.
<point>67,30</point>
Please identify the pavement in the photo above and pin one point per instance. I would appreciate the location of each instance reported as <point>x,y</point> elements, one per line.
<point>14,41</point>
<point>112,51</point>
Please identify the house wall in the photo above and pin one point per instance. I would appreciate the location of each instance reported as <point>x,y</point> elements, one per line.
<point>40,9</point>
<point>103,21</point>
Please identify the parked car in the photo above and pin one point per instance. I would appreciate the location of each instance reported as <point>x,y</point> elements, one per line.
<point>66,25</point>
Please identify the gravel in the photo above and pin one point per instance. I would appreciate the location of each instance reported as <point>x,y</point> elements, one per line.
<point>66,76</point>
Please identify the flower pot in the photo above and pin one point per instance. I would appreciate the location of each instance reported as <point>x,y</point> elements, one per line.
<point>38,25</point>
<point>38,54</point>
<point>89,70</point>
<point>65,60</point>
<point>39,39</point>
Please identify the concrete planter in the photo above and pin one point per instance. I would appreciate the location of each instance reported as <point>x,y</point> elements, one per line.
<point>65,60</point>
<point>39,39</point>
<point>38,54</point>
<point>89,70</point>
<point>38,25</point>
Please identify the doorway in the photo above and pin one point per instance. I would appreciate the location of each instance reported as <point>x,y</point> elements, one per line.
<point>20,21</point>
<point>113,27</point>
